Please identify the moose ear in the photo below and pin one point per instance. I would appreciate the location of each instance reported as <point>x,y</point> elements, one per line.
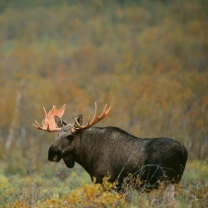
<point>59,122</point>
<point>79,120</point>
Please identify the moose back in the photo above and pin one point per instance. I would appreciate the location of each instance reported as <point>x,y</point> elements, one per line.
<point>112,152</point>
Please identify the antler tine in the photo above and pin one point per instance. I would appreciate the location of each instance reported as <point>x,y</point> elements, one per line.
<point>105,112</point>
<point>95,116</point>
<point>45,112</point>
<point>78,124</point>
<point>37,125</point>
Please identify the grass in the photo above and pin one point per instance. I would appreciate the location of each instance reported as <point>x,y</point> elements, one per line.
<point>72,188</point>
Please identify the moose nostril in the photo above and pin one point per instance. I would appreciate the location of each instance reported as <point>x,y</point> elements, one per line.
<point>54,154</point>
<point>55,158</point>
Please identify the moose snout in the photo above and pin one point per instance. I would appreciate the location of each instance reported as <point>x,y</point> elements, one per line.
<point>54,154</point>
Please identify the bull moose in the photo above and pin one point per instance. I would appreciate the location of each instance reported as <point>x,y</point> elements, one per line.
<point>112,152</point>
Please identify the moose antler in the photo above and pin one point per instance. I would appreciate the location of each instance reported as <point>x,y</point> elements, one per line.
<point>49,123</point>
<point>94,120</point>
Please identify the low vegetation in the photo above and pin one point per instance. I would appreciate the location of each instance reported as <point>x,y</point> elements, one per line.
<point>73,189</point>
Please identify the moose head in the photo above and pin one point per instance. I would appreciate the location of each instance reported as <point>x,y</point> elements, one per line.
<point>68,134</point>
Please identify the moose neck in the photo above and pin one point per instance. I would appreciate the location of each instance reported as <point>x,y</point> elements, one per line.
<point>87,145</point>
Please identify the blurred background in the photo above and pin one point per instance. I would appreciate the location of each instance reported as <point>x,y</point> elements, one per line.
<point>147,59</point>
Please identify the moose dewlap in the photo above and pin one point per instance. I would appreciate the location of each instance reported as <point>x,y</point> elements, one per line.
<point>112,152</point>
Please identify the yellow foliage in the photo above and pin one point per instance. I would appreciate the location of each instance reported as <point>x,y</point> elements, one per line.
<point>95,195</point>
<point>19,204</point>
<point>53,202</point>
